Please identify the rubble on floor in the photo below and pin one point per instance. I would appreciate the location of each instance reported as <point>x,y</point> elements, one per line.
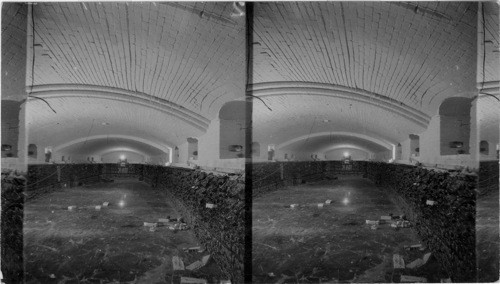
<point>352,244</point>
<point>172,224</point>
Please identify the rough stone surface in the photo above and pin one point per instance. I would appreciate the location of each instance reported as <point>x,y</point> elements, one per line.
<point>43,178</point>
<point>221,229</point>
<point>12,226</point>
<point>273,176</point>
<point>488,177</point>
<point>448,228</point>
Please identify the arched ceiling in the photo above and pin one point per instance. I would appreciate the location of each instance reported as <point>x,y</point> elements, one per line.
<point>416,53</point>
<point>285,117</point>
<point>80,117</point>
<point>106,145</point>
<point>376,68</point>
<point>159,71</point>
<point>325,143</point>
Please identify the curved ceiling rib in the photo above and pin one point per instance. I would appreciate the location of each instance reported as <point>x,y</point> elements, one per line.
<point>165,149</point>
<point>287,117</point>
<point>78,116</point>
<point>73,91</point>
<point>121,149</point>
<point>381,142</point>
<point>320,89</point>
<point>346,146</point>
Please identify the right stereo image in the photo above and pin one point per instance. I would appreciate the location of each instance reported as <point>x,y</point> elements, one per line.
<point>375,141</point>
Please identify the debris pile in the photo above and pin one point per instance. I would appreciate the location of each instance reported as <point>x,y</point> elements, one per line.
<point>178,265</point>
<point>443,206</point>
<point>318,205</point>
<point>172,224</point>
<point>221,228</point>
<point>394,221</point>
<point>400,264</point>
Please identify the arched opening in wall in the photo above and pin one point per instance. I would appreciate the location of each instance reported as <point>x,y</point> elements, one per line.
<point>270,152</point>
<point>399,151</point>
<point>255,149</point>
<point>48,154</point>
<point>484,147</point>
<point>32,151</point>
<point>414,145</point>
<point>455,126</point>
<point>7,151</point>
<point>192,149</point>
<point>233,127</point>
<point>176,154</point>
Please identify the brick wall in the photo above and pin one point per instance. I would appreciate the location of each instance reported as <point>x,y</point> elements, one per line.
<point>447,228</point>
<point>488,177</point>
<point>12,227</point>
<point>44,178</point>
<point>273,176</point>
<point>266,177</point>
<point>222,229</point>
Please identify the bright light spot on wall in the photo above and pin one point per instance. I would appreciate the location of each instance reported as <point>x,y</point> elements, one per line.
<point>346,154</point>
<point>122,157</point>
<point>121,203</point>
<point>345,201</point>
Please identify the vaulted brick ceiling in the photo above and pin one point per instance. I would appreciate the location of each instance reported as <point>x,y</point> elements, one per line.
<point>159,71</point>
<point>376,68</point>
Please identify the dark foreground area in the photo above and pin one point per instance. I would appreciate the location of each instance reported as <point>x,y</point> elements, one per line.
<point>110,245</point>
<point>487,237</point>
<point>309,244</point>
